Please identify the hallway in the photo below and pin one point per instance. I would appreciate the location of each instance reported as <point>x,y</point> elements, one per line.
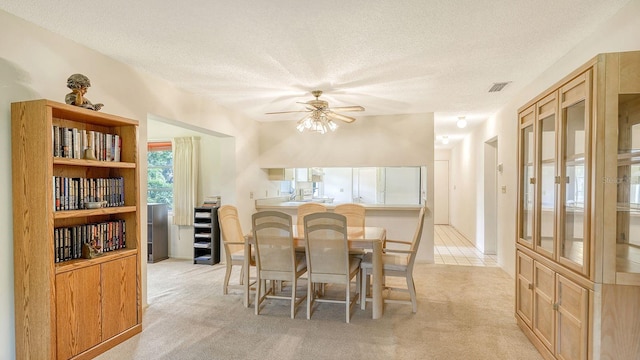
<point>452,248</point>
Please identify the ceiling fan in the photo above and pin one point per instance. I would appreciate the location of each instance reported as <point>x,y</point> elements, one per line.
<point>320,117</point>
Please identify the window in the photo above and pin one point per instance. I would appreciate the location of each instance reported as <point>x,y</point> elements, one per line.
<point>160,173</point>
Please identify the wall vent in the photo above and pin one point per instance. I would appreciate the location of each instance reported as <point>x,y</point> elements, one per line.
<point>498,86</point>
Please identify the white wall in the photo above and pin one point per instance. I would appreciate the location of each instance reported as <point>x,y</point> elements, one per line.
<point>620,33</point>
<point>397,140</point>
<point>369,141</point>
<point>35,63</point>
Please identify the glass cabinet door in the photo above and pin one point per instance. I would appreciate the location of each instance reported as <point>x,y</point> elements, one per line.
<point>573,228</point>
<point>628,186</point>
<point>526,201</point>
<point>574,186</point>
<point>546,213</point>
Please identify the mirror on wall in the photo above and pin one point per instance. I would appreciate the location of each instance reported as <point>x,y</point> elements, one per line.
<point>366,185</point>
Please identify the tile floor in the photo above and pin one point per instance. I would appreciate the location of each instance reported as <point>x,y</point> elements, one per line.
<point>452,248</point>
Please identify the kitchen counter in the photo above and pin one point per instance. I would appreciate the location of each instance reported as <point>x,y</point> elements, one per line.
<point>270,204</point>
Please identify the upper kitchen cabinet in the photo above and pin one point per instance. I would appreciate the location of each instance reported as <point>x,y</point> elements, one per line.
<point>579,212</point>
<point>281,174</point>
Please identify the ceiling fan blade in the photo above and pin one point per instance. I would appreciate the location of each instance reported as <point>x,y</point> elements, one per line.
<point>286,112</point>
<point>336,116</point>
<point>348,108</point>
<point>308,105</point>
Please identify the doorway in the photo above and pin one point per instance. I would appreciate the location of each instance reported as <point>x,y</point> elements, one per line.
<point>491,196</point>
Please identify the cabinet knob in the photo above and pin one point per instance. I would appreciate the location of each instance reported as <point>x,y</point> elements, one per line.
<point>555,306</point>
<point>530,286</point>
<point>532,181</point>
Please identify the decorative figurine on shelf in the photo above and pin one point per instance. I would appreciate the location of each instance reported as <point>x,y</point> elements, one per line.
<point>89,152</point>
<point>78,84</point>
<point>91,250</point>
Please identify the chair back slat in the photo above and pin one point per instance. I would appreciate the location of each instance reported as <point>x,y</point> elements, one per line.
<point>306,209</point>
<point>273,237</point>
<point>326,244</point>
<point>355,214</point>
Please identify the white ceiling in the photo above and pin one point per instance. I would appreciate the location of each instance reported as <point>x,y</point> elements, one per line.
<point>390,56</point>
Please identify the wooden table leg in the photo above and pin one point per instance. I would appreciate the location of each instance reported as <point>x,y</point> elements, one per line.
<point>246,271</point>
<point>376,272</point>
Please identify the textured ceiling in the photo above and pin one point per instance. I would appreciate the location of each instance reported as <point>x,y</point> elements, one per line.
<point>392,57</point>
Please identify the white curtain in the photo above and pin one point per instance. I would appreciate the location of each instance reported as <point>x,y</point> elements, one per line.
<point>186,155</point>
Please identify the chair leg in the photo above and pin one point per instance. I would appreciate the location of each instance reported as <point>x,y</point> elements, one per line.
<point>358,286</point>
<point>365,289</point>
<point>412,291</point>
<point>348,300</point>
<point>259,285</point>
<point>242,275</point>
<point>227,276</point>
<point>310,297</point>
<point>293,297</point>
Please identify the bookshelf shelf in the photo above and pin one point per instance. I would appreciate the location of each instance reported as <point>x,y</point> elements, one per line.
<point>70,214</point>
<point>82,263</point>
<point>94,163</point>
<point>52,317</point>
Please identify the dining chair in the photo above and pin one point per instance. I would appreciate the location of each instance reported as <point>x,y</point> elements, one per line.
<point>306,209</point>
<point>355,214</point>
<point>276,258</point>
<point>328,260</point>
<point>395,262</point>
<point>233,240</point>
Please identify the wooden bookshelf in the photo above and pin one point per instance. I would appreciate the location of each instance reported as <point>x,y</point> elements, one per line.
<point>80,308</point>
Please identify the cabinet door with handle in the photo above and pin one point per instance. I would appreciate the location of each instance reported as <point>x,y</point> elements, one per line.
<point>574,166</point>
<point>78,311</point>
<point>119,300</point>
<point>524,287</point>
<point>547,179</point>
<point>571,317</point>
<point>543,305</point>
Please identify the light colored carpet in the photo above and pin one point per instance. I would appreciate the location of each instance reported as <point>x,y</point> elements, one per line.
<point>463,313</point>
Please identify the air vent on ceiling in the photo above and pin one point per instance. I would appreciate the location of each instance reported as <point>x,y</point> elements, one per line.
<point>498,86</point>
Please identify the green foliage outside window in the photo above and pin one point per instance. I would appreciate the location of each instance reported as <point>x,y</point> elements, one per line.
<point>160,177</point>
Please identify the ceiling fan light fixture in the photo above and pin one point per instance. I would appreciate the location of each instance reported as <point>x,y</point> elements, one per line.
<point>462,123</point>
<point>445,139</point>
<point>320,117</point>
<point>332,125</point>
<point>318,122</point>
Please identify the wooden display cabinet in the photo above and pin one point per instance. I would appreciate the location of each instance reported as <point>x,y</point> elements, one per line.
<point>578,230</point>
<point>76,308</point>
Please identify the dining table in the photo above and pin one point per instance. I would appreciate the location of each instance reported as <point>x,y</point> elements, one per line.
<point>359,238</point>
